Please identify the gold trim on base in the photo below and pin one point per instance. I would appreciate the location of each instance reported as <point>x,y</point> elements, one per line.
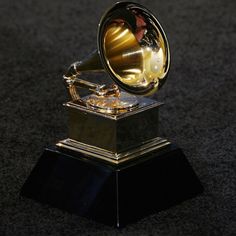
<point>114,157</point>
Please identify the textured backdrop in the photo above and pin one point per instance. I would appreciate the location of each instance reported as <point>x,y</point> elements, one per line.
<point>39,39</point>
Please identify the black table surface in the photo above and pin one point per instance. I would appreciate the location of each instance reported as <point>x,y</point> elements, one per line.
<point>39,39</point>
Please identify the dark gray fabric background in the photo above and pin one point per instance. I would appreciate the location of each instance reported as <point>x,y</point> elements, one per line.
<point>39,39</point>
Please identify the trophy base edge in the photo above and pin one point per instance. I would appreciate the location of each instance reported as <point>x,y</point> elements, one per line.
<point>114,157</point>
<point>111,194</point>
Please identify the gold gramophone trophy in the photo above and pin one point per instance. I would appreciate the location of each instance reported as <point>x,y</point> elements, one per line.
<point>114,167</point>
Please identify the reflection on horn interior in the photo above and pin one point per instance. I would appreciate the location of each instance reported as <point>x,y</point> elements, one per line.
<point>131,59</point>
<point>123,53</point>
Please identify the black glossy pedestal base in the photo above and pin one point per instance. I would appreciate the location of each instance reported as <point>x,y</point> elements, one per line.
<point>114,195</point>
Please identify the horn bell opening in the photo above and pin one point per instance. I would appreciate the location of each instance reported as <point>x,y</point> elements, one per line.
<point>133,48</point>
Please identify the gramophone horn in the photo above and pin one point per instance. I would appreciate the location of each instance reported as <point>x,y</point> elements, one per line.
<point>132,49</point>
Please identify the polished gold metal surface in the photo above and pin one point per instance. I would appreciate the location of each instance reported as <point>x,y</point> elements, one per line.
<point>110,124</point>
<point>114,132</point>
<point>112,104</point>
<point>136,56</point>
<point>132,49</point>
<point>115,138</point>
<point>114,157</point>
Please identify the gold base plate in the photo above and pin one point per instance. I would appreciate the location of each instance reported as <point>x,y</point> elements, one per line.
<point>114,157</point>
